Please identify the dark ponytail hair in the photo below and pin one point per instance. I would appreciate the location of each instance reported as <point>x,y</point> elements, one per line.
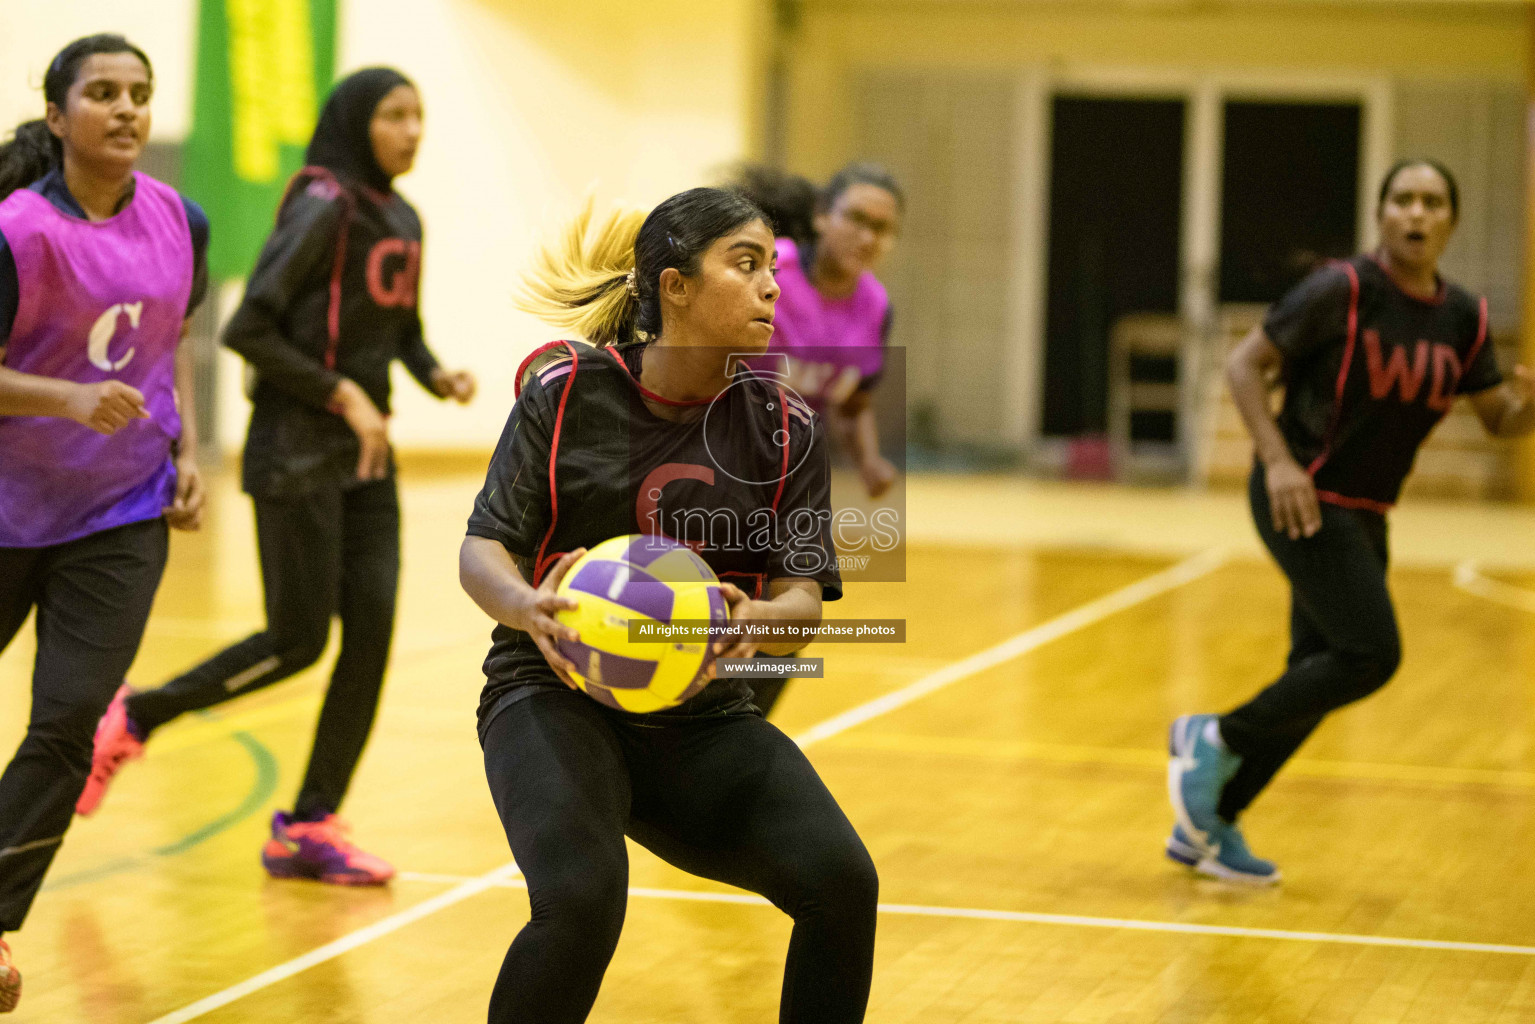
<point>33,150</point>
<point>1431,164</point>
<point>788,200</point>
<point>791,202</point>
<point>604,281</point>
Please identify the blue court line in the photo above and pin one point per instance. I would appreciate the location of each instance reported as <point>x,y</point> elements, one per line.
<point>261,790</point>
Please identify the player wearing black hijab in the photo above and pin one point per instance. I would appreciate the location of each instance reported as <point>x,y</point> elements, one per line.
<point>329,307</point>
<point>1372,352</point>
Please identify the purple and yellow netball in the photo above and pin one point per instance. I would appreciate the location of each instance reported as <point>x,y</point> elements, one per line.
<point>653,581</point>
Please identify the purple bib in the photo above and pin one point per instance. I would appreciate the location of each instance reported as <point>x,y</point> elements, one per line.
<point>99,301</point>
<point>837,332</point>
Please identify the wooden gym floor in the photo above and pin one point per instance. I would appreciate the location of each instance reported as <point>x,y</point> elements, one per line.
<point>1011,789</point>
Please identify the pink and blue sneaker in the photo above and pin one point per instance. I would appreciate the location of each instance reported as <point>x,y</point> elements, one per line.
<point>118,741</point>
<point>10,980</point>
<point>320,850</point>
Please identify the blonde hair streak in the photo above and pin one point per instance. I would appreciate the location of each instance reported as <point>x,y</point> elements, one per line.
<point>582,283</point>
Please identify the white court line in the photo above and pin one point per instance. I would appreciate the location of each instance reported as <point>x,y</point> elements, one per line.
<point>1469,577</point>
<point>1067,920</point>
<point>465,888</point>
<point>1186,571</point>
<point>1086,615</point>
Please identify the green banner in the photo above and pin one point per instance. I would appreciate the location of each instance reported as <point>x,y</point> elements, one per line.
<point>263,67</point>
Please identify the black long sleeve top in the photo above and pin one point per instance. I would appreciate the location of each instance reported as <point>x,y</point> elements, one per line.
<point>332,295</point>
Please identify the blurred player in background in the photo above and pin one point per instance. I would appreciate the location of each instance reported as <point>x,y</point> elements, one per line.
<point>329,307</point>
<point>100,267</point>
<point>1372,352</point>
<point>611,441</point>
<point>833,318</point>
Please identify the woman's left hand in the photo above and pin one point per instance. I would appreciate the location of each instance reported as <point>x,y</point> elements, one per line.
<point>186,512</point>
<point>878,475</point>
<point>742,610</point>
<point>1523,382</point>
<point>458,385</point>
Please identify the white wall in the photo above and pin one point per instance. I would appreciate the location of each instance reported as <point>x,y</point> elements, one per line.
<point>32,31</point>
<point>530,104</point>
<point>528,107</point>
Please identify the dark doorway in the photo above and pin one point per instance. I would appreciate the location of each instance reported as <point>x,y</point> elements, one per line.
<point>1116,193</point>
<point>1289,194</point>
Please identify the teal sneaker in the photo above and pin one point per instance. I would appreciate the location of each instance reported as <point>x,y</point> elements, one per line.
<point>1181,848</point>
<point>1232,861</point>
<point>1197,771</point>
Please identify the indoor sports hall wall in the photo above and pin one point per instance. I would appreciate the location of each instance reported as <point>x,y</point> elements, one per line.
<point>529,106</point>
<point>532,104</point>
<point>923,86</point>
<point>31,33</point>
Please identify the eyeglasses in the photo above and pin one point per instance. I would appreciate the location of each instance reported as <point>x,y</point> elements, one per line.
<point>883,230</point>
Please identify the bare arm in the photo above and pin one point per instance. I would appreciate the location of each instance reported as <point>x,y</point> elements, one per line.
<point>789,598</point>
<point>1508,410</point>
<point>186,511</point>
<point>1292,495</point>
<point>492,578</point>
<point>105,407</point>
<point>858,428</point>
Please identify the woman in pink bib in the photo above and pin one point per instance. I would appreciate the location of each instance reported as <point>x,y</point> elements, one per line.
<point>833,318</point>
<point>100,267</point>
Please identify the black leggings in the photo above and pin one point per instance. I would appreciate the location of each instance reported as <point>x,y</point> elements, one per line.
<point>728,798</point>
<point>92,597</point>
<point>322,553</point>
<point>1344,643</point>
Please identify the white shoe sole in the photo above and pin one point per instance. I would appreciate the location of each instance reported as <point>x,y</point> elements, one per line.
<point>1212,868</point>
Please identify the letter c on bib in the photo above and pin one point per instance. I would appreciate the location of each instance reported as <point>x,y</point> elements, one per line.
<point>103,330</point>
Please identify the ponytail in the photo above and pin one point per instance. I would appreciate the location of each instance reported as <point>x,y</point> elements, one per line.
<point>32,152</point>
<point>604,283</point>
<point>585,283</point>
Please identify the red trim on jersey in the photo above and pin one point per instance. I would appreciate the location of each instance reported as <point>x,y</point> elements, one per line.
<point>1344,501</point>
<point>783,403</point>
<point>311,174</point>
<point>333,314</point>
<point>1481,333</point>
<point>541,562</point>
<point>1348,359</point>
<point>757,578</point>
<point>522,368</point>
<point>1438,297</point>
<point>619,359</point>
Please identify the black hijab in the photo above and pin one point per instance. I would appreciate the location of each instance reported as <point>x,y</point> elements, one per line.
<point>341,143</point>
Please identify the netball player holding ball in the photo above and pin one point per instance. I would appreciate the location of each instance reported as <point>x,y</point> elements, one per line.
<point>628,435</point>
<point>1372,352</point>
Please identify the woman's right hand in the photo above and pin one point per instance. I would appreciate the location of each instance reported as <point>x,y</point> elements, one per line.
<point>536,617</point>
<point>352,403</point>
<point>106,406</point>
<point>1292,500</point>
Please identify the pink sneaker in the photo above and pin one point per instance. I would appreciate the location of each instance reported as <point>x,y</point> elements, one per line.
<point>10,980</point>
<point>118,741</point>
<point>320,850</point>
